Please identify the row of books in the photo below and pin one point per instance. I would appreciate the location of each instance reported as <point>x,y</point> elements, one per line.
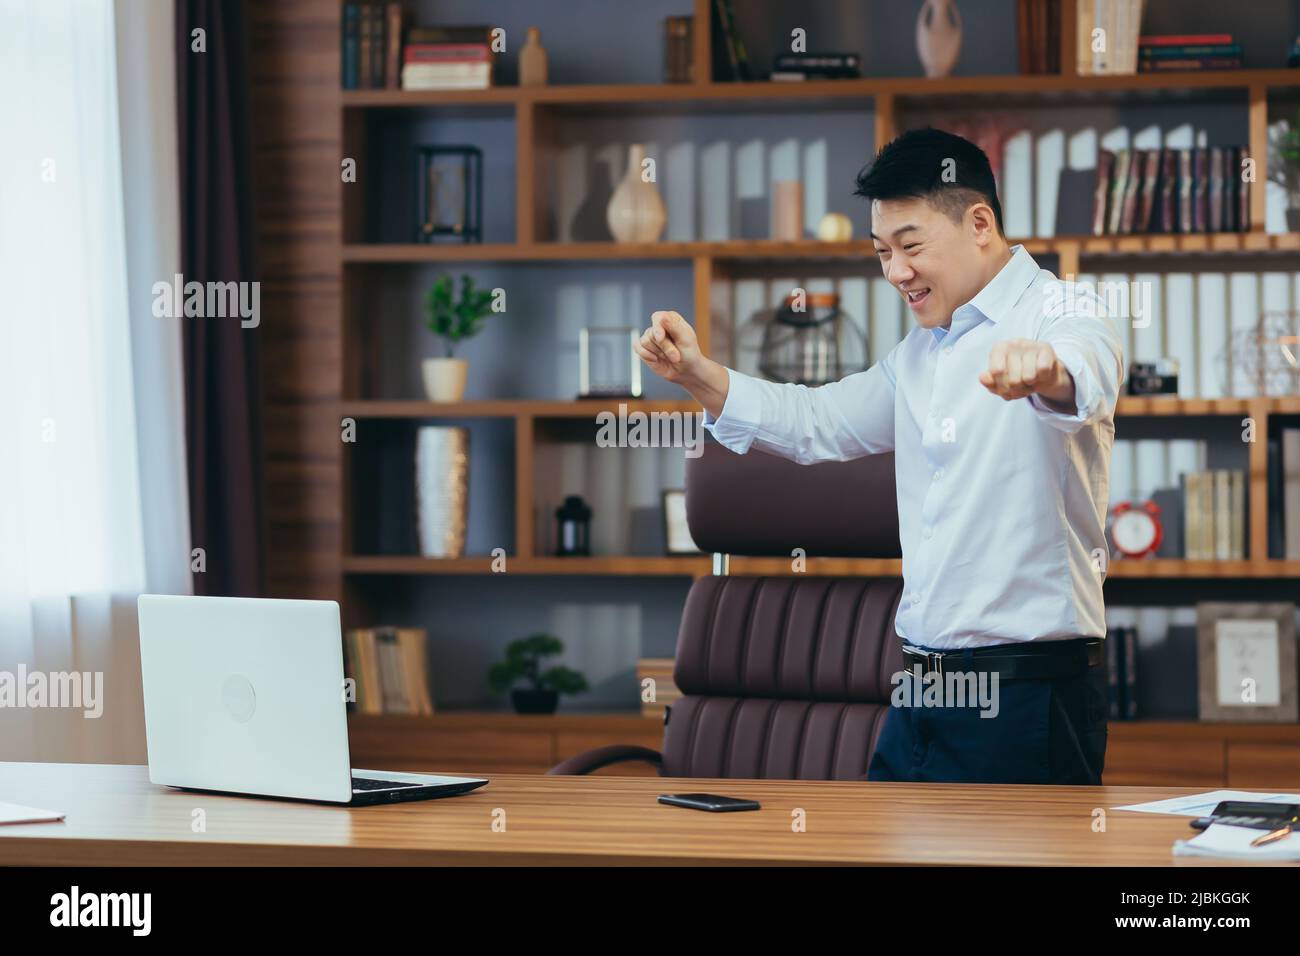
<point>1214,515</point>
<point>1115,49</point>
<point>372,45</point>
<point>1203,51</point>
<point>1171,190</point>
<point>1284,489</point>
<point>1038,32</point>
<point>679,52</point>
<point>389,667</point>
<point>1121,648</point>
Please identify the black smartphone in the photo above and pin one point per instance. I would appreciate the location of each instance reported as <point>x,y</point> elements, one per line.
<point>707,801</point>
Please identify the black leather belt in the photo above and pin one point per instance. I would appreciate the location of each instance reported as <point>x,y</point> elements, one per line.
<point>1031,660</point>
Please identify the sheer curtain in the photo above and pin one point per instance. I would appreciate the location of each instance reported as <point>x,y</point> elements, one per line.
<point>92,484</point>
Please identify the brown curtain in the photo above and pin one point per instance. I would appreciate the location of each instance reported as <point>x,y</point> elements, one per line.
<point>222,378</point>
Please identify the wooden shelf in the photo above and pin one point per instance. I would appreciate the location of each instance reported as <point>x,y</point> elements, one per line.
<point>1049,87</point>
<point>760,250</point>
<point>511,408</point>
<point>632,565</point>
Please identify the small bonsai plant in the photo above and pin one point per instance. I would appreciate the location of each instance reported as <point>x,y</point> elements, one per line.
<point>452,319</point>
<point>523,662</point>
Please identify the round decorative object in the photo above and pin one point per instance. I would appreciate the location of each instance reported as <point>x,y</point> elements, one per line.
<point>938,37</point>
<point>1135,529</point>
<point>835,227</point>
<point>636,212</point>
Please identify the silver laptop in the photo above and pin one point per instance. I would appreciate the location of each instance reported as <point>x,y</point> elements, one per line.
<point>246,696</point>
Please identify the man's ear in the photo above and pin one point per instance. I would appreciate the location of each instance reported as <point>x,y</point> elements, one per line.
<point>983,223</point>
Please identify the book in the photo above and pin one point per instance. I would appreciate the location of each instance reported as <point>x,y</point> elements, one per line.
<point>1118,186</point>
<point>1291,493</point>
<point>1222,515</point>
<point>1166,215</point>
<point>378,46</point>
<point>389,668</point>
<point>1130,673</point>
<point>446,53</point>
<point>1185,190</point>
<point>678,49</point>
<point>351,45</point>
<point>1147,195</point>
<point>1128,209</point>
<point>393,21</point>
<point>1101,195</point>
<point>1114,679</point>
<point>1185,39</point>
<point>730,60</point>
<point>366,46</point>
<point>1191,63</point>
<point>1215,190</point>
<point>1201,191</point>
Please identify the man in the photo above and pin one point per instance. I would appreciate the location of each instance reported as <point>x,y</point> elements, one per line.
<point>999,408</point>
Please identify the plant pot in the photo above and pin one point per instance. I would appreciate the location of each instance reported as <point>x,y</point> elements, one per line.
<point>444,378</point>
<point>535,701</point>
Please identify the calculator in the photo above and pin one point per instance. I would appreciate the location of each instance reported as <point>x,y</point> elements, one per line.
<point>1257,816</point>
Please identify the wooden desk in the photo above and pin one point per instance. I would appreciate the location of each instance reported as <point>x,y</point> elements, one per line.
<point>116,817</point>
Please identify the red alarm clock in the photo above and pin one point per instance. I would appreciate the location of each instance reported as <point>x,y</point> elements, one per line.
<point>1135,529</point>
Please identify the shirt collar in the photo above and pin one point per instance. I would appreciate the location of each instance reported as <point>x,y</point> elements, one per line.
<point>1002,292</point>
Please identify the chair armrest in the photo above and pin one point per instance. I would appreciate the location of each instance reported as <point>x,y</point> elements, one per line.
<point>599,757</point>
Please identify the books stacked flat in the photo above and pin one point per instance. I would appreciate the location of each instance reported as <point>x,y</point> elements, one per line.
<point>1171,190</point>
<point>1121,672</point>
<point>1214,515</point>
<point>659,670</point>
<point>1115,51</point>
<point>372,45</point>
<point>816,66</point>
<point>447,58</point>
<point>1038,32</point>
<point>390,668</point>
<point>1200,51</point>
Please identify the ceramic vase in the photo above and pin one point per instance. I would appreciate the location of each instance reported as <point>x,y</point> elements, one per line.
<point>532,60</point>
<point>636,212</point>
<point>441,489</point>
<point>938,36</point>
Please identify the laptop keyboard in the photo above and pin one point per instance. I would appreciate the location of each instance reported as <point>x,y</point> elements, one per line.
<point>362,784</point>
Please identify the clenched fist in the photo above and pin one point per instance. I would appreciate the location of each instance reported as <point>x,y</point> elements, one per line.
<point>672,351</point>
<point>1020,367</point>
<point>670,348</point>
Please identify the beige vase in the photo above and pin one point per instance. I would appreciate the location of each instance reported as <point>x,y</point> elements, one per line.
<point>532,60</point>
<point>636,212</point>
<point>444,378</point>
<point>938,36</point>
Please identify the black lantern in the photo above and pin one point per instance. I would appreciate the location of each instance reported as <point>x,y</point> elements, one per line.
<point>574,527</point>
<point>449,191</point>
<point>803,342</point>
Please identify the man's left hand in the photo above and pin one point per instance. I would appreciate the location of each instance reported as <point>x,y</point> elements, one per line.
<point>1020,367</point>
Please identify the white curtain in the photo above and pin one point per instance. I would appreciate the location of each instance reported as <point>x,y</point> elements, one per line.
<point>92,483</point>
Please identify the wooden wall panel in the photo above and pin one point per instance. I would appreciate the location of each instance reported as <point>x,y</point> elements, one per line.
<point>295,113</point>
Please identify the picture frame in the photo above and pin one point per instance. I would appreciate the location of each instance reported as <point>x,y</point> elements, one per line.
<point>1240,642</point>
<point>677,533</point>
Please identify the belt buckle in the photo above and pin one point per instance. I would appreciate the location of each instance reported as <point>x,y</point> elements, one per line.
<point>934,660</point>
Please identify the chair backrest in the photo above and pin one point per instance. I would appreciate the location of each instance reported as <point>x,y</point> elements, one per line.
<point>785,677</point>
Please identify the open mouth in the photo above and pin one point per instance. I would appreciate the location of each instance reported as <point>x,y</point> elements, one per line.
<point>914,299</point>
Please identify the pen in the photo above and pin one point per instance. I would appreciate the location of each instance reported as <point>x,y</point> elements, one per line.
<point>1273,837</point>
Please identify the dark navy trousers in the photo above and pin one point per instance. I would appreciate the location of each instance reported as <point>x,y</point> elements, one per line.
<point>1045,731</point>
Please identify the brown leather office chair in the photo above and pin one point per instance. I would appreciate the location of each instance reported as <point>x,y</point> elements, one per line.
<point>781,677</point>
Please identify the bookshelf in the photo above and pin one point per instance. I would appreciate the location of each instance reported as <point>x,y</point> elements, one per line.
<point>318,243</point>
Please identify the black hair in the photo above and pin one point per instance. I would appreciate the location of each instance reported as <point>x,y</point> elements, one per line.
<point>914,166</point>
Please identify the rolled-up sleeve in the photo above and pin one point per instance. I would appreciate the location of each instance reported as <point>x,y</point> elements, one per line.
<point>833,422</point>
<point>1089,345</point>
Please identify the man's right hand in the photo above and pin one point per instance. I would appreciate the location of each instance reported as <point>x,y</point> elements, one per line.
<point>672,351</point>
<point>670,348</point>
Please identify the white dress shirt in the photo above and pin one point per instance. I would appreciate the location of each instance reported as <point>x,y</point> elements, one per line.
<point>1001,504</point>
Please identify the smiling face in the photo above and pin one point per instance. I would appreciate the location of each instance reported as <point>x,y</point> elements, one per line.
<point>935,262</point>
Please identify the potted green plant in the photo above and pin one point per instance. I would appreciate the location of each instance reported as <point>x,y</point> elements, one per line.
<point>1284,166</point>
<point>541,695</point>
<point>453,319</point>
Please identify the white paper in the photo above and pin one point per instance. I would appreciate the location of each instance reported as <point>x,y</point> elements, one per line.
<point>1221,840</point>
<point>1203,804</point>
<point>17,813</point>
